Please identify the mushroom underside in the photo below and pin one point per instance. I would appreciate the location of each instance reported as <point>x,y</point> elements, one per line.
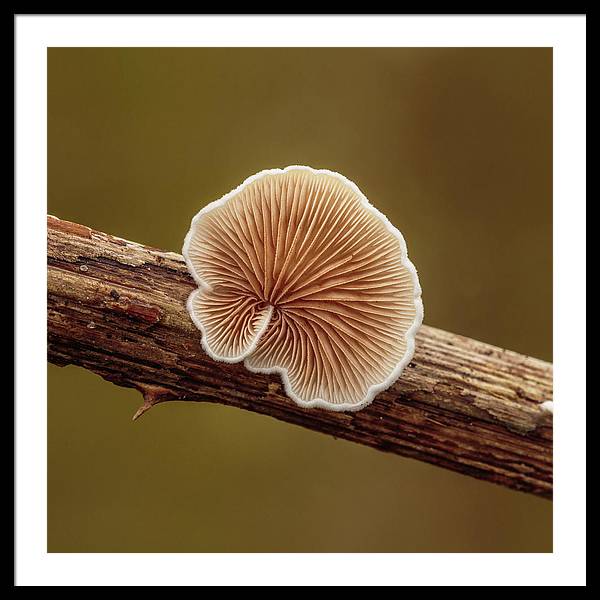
<point>299,274</point>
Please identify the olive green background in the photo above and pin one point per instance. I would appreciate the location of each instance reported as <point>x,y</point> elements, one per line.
<point>453,144</point>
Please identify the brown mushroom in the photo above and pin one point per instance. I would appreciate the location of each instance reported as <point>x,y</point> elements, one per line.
<point>298,274</point>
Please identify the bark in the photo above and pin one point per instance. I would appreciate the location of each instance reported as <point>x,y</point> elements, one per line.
<point>117,308</point>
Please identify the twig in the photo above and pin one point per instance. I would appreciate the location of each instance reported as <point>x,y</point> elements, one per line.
<point>118,308</point>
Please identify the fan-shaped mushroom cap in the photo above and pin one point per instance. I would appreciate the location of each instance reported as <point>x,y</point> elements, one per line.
<point>298,274</point>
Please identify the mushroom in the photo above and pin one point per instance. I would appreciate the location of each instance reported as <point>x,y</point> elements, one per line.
<point>299,275</point>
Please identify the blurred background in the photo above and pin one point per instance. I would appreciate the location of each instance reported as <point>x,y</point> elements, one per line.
<point>454,145</point>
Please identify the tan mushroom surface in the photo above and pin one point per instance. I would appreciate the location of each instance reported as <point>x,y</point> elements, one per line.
<point>298,274</point>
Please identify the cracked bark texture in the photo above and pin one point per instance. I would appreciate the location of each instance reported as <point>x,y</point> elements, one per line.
<point>117,308</point>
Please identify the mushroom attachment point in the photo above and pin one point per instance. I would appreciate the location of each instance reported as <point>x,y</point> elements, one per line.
<point>299,275</point>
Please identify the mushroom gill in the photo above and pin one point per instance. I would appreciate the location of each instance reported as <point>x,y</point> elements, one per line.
<point>299,274</point>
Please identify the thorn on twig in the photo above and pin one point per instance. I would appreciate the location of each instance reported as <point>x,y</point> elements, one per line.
<point>141,410</point>
<point>153,395</point>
